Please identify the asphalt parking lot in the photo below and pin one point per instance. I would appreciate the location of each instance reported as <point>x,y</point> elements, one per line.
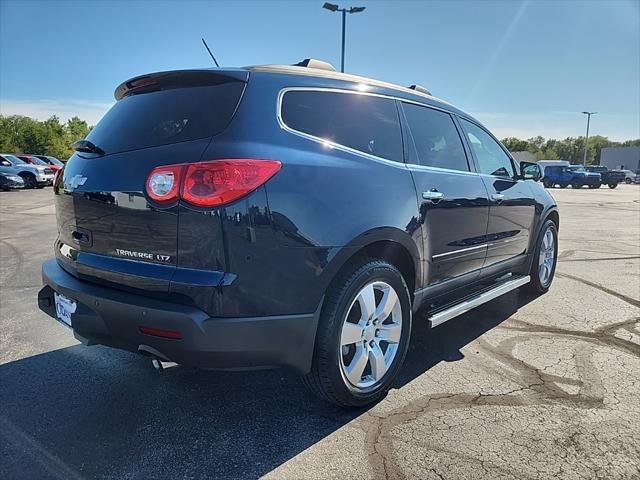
<point>522,387</point>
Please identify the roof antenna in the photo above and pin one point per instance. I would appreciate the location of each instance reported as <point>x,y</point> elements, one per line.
<point>211,54</point>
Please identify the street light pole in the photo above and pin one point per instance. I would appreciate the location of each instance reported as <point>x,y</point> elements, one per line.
<point>344,30</point>
<point>586,138</point>
<point>334,8</point>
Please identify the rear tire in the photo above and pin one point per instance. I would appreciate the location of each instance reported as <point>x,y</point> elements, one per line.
<point>348,314</point>
<point>564,185</point>
<point>576,184</point>
<point>547,183</point>
<point>542,273</point>
<point>613,185</point>
<point>29,180</point>
<point>627,181</point>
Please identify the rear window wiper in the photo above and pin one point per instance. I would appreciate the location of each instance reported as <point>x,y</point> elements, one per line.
<point>87,146</point>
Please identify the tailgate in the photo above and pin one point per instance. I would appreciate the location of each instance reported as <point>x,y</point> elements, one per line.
<point>108,228</point>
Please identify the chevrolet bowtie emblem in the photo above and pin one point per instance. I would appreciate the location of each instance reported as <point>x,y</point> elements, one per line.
<point>76,181</point>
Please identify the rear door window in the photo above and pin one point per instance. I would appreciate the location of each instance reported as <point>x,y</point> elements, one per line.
<point>167,116</point>
<point>436,138</point>
<point>364,123</point>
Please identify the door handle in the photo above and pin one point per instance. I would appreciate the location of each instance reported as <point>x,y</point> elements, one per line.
<point>497,197</point>
<point>433,195</point>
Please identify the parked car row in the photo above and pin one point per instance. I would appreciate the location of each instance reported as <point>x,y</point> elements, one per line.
<point>27,171</point>
<point>593,176</point>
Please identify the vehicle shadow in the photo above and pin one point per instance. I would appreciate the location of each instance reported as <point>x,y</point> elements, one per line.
<point>96,412</point>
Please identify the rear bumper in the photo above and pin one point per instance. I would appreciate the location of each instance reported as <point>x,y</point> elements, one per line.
<point>110,317</point>
<point>590,180</point>
<point>12,184</point>
<point>45,179</point>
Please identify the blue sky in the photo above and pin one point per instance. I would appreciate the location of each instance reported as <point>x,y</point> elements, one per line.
<point>523,68</point>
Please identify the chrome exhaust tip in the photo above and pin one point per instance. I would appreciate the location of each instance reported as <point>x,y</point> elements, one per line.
<point>157,364</point>
<point>160,365</point>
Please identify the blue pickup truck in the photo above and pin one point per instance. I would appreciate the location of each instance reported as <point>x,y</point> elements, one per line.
<point>574,175</point>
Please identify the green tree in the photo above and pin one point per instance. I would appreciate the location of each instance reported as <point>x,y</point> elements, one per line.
<point>536,144</point>
<point>19,134</point>
<point>515,144</point>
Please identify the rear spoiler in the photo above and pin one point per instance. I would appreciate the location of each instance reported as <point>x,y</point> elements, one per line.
<point>179,78</point>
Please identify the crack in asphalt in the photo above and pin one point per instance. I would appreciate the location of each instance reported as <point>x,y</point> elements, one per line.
<point>536,387</point>
<point>16,268</point>
<point>602,288</point>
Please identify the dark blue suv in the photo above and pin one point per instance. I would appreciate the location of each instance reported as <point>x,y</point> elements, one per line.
<point>575,175</point>
<point>288,216</point>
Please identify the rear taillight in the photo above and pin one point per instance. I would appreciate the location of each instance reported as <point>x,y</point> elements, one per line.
<point>57,178</point>
<point>209,184</point>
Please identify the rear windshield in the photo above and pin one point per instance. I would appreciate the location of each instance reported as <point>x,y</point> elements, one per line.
<point>166,116</point>
<point>55,161</point>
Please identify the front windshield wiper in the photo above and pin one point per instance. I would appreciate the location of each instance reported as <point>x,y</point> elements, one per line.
<point>87,146</point>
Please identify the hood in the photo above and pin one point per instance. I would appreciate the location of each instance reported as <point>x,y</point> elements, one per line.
<point>32,168</point>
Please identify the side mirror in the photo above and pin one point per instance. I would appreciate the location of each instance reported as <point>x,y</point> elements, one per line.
<point>530,171</point>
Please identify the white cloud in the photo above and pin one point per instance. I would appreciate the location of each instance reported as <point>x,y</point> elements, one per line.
<point>43,109</point>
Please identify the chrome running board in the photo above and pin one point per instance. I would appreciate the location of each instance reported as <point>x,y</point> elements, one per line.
<point>468,304</point>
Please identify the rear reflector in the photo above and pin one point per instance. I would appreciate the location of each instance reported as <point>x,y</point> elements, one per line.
<point>209,184</point>
<point>159,332</point>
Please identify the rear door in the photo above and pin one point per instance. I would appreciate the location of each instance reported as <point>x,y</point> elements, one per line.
<point>512,206</point>
<point>453,200</point>
<point>108,228</point>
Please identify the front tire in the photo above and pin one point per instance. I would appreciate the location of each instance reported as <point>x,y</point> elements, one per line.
<point>547,183</point>
<point>363,335</point>
<point>545,259</point>
<point>576,184</point>
<point>627,181</point>
<point>613,185</point>
<point>29,180</point>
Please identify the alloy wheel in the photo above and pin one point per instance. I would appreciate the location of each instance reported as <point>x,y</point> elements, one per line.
<point>371,332</point>
<point>546,258</point>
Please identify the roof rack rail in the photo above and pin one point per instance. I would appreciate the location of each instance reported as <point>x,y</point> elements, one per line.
<point>420,88</point>
<point>313,63</point>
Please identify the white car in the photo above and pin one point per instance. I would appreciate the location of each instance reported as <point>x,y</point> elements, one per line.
<point>629,176</point>
<point>34,176</point>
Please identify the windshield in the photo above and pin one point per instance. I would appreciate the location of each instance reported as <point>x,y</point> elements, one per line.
<point>55,161</point>
<point>14,159</point>
<point>577,168</point>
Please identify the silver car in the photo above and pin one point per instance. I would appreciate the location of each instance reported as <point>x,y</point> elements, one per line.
<point>34,176</point>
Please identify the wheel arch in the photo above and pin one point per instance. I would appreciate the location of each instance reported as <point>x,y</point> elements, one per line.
<point>550,214</point>
<point>389,244</point>
<point>553,215</point>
